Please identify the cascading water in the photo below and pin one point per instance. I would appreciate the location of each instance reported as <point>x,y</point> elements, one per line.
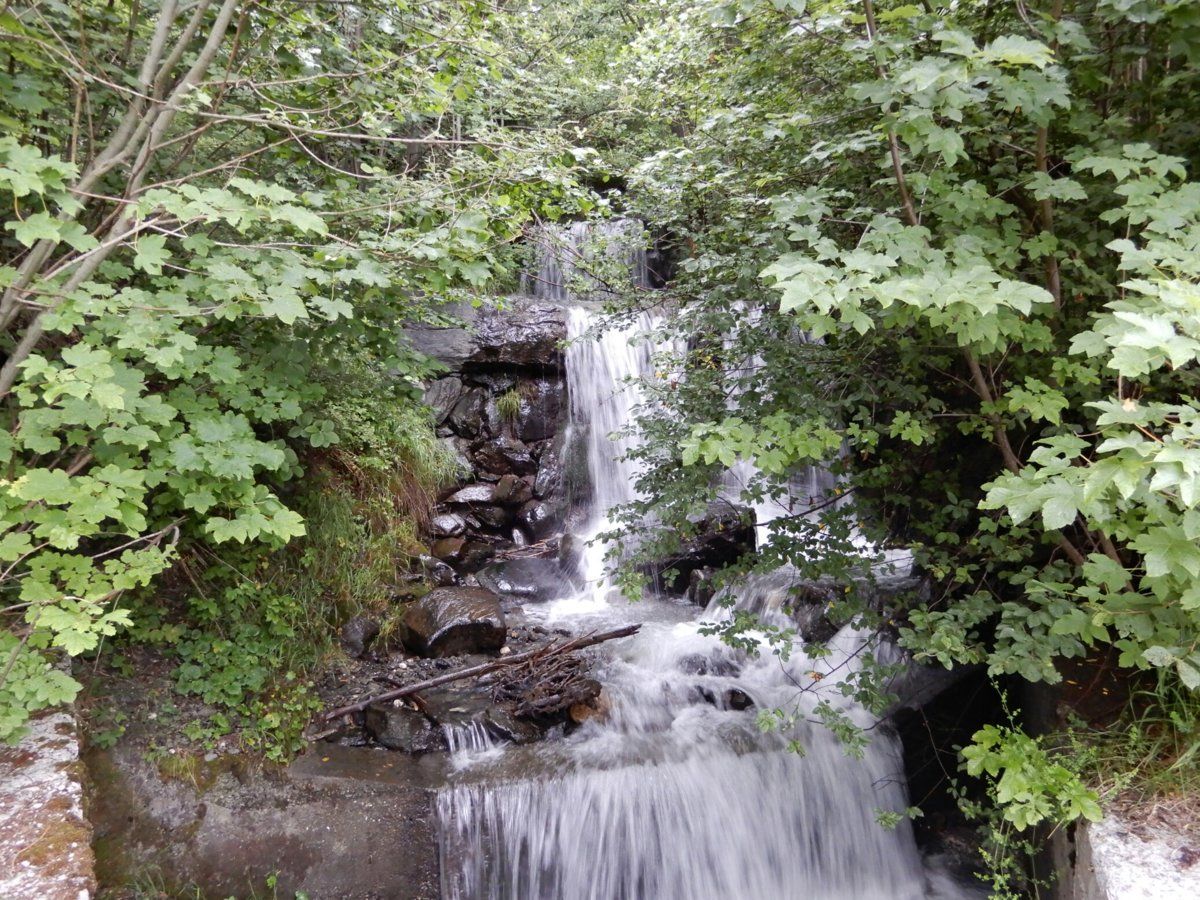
<point>677,794</point>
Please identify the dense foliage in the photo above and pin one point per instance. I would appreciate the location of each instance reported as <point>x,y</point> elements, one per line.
<point>218,217</point>
<point>948,250</point>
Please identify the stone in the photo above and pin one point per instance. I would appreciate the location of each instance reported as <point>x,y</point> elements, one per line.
<point>550,474</point>
<point>45,834</point>
<point>543,404</point>
<point>598,709</point>
<point>700,589</point>
<point>492,516</point>
<point>447,525</point>
<point>503,456</point>
<point>570,555</point>
<point>514,491</point>
<point>700,664</point>
<point>538,519</point>
<point>442,395</point>
<point>357,634</point>
<point>457,707</point>
<point>452,620</point>
<point>458,450</point>
<point>723,535</point>
<point>476,554</point>
<point>1121,859</point>
<point>525,334</point>
<point>337,822</point>
<point>402,728</point>
<point>474,493</point>
<point>440,574</point>
<point>448,549</point>
<point>527,578</point>
<point>469,417</point>
<point>737,699</point>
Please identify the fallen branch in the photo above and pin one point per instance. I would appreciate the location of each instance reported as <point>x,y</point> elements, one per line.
<point>587,640</point>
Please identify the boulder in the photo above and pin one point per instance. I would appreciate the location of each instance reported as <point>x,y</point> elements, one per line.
<point>458,449</point>
<point>538,519</point>
<point>570,555</point>
<point>526,335</point>
<point>700,589</point>
<point>550,475</point>
<point>447,525</point>
<point>503,456</point>
<point>464,709</point>
<point>492,516</point>
<point>448,549</point>
<point>357,635</point>
<point>402,728</point>
<point>469,417</point>
<point>530,579</point>
<point>452,620</point>
<point>476,554</point>
<point>440,574</point>
<point>514,491</point>
<point>442,396</point>
<point>543,405</point>
<point>473,493</point>
<point>723,535</point>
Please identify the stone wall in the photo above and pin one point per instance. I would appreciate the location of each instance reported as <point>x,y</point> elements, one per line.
<point>502,407</point>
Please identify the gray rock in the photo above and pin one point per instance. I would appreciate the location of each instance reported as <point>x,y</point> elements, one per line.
<point>492,516</point>
<point>474,493</point>
<point>218,832</point>
<point>503,456</point>
<point>527,335</point>
<point>402,728</point>
<point>570,555</point>
<point>538,519</point>
<point>550,474</point>
<point>724,535</point>
<point>469,417</point>
<point>529,579</point>
<point>514,491</point>
<point>442,395</point>
<point>476,554</point>
<point>452,620</point>
<point>438,572</point>
<point>543,404</point>
<point>357,635</point>
<point>447,525</point>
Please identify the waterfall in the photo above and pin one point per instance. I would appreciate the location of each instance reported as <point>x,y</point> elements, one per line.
<point>677,793</point>
<point>587,261</point>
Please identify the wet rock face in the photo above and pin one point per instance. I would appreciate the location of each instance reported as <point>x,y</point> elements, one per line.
<point>724,535</point>
<point>402,728</point>
<point>452,620</point>
<point>524,334</point>
<point>529,579</point>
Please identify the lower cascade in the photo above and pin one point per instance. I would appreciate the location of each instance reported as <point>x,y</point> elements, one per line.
<point>676,793</point>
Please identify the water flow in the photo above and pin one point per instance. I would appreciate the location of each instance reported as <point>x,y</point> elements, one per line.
<point>602,381</point>
<point>676,794</point>
<point>587,261</point>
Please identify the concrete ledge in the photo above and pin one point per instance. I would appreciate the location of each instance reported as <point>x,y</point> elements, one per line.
<point>45,839</point>
<point>1119,860</point>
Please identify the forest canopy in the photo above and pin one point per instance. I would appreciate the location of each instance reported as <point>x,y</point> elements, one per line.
<point>950,251</point>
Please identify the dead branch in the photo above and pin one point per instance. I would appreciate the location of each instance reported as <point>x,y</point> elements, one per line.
<point>550,650</point>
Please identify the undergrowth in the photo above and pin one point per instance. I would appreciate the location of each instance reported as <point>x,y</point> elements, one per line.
<point>250,627</point>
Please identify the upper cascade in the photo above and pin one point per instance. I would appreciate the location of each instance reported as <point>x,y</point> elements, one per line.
<point>587,260</point>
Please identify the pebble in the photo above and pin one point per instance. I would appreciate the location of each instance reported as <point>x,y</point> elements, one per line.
<point>504,651</point>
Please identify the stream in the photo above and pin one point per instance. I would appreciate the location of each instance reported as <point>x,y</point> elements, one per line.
<point>676,793</point>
